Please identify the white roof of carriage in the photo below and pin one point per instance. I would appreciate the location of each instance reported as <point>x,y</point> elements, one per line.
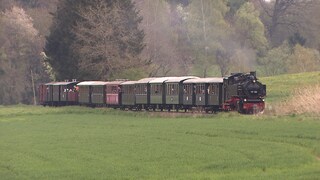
<point>145,80</point>
<point>160,80</point>
<point>128,83</point>
<point>179,79</point>
<point>204,80</point>
<point>60,83</point>
<point>92,83</point>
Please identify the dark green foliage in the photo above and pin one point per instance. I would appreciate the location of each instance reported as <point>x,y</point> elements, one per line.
<point>234,5</point>
<point>60,40</point>
<point>297,38</point>
<point>81,46</point>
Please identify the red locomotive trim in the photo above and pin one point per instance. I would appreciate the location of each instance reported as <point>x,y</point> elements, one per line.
<point>253,106</point>
<point>230,104</point>
<point>245,107</point>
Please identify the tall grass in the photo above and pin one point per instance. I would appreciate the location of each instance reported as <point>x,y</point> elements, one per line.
<point>304,100</point>
<point>292,93</point>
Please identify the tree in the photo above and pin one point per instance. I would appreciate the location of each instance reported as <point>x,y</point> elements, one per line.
<point>284,13</point>
<point>19,57</point>
<point>297,38</point>
<point>208,32</point>
<point>6,4</point>
<point>250,28</point>
<point>100,34</point>
<point>166,41</point>
<point>59,42</point>
<point>234,5</point>
<point>108,40</point>
<point>303,60</point>
<point>275,61</point>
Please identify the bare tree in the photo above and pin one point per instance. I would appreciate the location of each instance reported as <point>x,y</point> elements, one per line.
<point>108,39</point>
<point>165,38</point>
<point>20,49</point>
<point>284,13</point>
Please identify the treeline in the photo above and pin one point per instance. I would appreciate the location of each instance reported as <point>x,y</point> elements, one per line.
<point>216,37</point>
<point>44,40</point>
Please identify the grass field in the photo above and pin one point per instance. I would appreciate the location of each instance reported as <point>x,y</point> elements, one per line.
<point>281,87</point>
<point>85,143</point>
<point>82,143</point>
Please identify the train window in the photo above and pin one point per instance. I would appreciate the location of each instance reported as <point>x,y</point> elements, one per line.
<point>200,89</point>
<point>187,89</point>
<point>131,89</point>
<point>212,89</point>
<point>142,89</point>
<point>128,89</point>
<point>159,89</point>
<point>98,89</point>
<point>172,89</point>
<point>125,90</point>
<point>145,89</point>
<point>156,89</point>
<point>114,89</point>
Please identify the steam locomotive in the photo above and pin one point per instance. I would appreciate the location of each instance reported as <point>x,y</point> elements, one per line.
<point>240,92</point>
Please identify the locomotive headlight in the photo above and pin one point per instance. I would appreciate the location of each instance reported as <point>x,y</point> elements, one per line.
<point>245,100</point>
<point>254,81</point>
<point>263,100</point>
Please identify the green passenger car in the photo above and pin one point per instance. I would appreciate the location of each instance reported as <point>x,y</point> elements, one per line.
<point>67,90</point>
<point>158,92</point>
<point>175,91</point>
<point>128,94</point>
<point>92,93</point>
<point>143,92</point>
<point>207,92</point>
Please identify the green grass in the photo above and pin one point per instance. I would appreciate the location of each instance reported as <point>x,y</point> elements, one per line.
<point>280,88</point>
<point>84,143</point>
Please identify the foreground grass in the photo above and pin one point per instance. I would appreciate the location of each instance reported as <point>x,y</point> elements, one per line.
<point>84,143</point>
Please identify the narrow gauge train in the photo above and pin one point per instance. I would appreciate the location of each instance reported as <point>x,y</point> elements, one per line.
<point>239,91</point>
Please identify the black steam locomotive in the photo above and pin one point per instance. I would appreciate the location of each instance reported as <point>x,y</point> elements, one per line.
<point>239,91</point>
